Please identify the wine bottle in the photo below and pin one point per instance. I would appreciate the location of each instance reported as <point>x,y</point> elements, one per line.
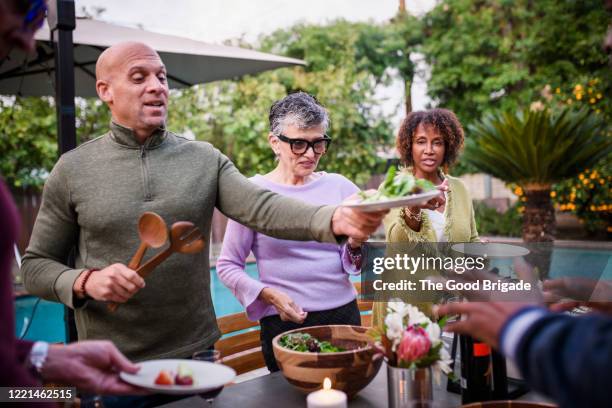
<point>500,376</point>
<point>476,370</point>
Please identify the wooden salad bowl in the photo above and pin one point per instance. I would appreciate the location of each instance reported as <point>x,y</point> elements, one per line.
<point>349,371</point>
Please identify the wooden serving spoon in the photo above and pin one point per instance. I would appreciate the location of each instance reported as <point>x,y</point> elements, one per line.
<point>153,233</point>
<point>185,238</point>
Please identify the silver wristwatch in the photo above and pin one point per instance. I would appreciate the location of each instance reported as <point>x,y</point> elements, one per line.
<point>38,355</point>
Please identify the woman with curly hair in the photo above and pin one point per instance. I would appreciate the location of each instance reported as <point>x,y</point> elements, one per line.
<point>428,143</point>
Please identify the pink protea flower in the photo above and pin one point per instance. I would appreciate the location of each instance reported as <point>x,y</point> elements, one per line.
<point>414,345</point>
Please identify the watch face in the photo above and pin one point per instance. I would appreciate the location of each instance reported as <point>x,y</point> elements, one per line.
<point>38,354</point>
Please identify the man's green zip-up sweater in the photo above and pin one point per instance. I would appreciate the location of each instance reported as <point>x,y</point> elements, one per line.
<point>93,199</point>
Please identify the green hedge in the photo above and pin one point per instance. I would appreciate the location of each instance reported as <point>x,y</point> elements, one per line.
<point>490,222</point>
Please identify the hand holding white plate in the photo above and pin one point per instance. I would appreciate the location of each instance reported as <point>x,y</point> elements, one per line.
<point>207,376</point>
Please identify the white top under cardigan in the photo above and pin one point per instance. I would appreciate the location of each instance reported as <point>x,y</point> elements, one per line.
<point>438,221</point>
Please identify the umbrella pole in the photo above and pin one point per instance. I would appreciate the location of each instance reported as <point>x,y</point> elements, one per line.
<point>61,18</point>
<point>62,22</point>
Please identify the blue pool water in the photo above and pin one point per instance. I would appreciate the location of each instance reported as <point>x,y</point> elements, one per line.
<point>48,319</point>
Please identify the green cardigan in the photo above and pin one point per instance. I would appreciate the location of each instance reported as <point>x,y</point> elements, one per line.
<point>460,226</point>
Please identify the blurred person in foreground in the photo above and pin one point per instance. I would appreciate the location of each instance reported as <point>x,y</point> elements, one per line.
<point>92,366</point>
<point>96,193</point>
<point>300,284</point>
<point>564,357</point>
<point>428,143</point>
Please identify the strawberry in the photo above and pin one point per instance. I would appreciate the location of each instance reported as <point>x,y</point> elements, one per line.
<point>164,378</point>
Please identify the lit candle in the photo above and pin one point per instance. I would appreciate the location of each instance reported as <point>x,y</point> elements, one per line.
<point>326,398</point>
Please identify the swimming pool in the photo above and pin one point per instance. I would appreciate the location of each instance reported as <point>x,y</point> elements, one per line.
<point>48,318</point>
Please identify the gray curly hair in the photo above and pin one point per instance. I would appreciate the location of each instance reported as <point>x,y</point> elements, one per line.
<point>298,109</point>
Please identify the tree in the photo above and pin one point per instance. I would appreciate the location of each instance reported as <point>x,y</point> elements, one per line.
<point>535,149</point>
<point>28,136</point>
<point>345,63</point>
<point>27,140</point>
<point>490,55</point>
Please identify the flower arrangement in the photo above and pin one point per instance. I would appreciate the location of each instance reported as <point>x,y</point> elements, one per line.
<point>409,339</point>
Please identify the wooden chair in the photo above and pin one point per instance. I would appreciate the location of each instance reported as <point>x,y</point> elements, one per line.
<point>242,350</point>
<point>364,306</point>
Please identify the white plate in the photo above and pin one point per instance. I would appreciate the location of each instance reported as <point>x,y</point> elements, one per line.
<point>411,200</point>
<point>491,250</point>
<point>207,376</point>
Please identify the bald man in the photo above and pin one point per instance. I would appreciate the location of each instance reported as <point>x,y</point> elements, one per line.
<point>96,193</point>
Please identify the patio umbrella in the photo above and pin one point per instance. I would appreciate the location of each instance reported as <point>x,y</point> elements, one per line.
<point>74,45</point>
<point>188,61</point>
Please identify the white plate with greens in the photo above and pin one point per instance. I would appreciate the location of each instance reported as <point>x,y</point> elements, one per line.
<point>206,376</point>
<point>399,189</point>
<point>385,204</point>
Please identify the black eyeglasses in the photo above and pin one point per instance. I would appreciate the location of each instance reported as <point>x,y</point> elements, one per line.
<point>301,146</point>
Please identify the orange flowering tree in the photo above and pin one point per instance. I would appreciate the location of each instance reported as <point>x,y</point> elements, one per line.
<point>587,195</point>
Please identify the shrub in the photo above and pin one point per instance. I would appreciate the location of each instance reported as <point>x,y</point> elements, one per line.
<point>491,222</point>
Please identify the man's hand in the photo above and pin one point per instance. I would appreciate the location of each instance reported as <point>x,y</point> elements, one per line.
<point>570,292</point>
<point>91,366</point>
<point>287,309</point>
<point>482,320</point>
<point>356,224</point>
<point>115,283</point>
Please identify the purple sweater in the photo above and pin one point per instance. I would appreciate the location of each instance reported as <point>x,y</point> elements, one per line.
<point>13,352</point>
<point>313,274</point>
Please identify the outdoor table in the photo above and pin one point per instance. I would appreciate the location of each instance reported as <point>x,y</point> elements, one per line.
<point>274,391</point>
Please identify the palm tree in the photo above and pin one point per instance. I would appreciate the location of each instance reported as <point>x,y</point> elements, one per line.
<point>535,149</point>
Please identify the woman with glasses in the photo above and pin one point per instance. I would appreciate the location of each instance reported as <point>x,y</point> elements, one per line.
<point>300,284</point>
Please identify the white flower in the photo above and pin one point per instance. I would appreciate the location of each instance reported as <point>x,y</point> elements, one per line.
<point>445,361</point>
<point>433,331</point>
<point>415,316</point>
<point>395,328</point>
<point>399,307</point>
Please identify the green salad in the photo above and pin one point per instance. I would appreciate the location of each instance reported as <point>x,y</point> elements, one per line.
<point>397,184</point>
<point>306,343</point>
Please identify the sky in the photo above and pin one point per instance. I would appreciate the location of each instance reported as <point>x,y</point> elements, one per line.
<point>214,21</point>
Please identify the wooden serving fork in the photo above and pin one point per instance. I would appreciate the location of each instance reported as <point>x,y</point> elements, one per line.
<point>185,238</point>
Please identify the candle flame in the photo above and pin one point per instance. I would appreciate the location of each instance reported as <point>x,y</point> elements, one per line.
<point>327,384</point>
